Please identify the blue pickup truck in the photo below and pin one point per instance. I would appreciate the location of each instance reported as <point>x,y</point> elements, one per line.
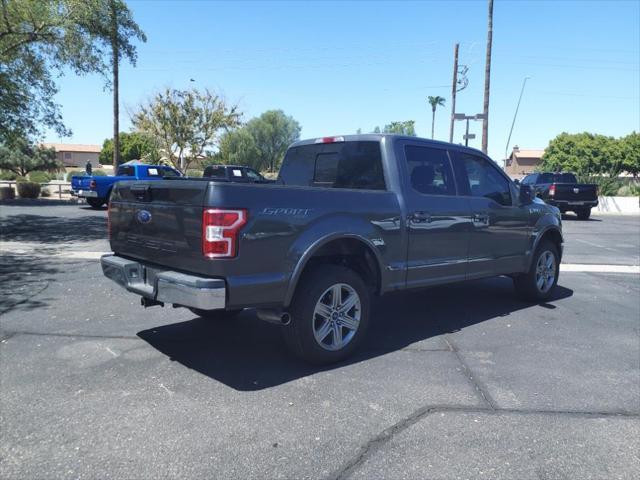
<point>97,190</point>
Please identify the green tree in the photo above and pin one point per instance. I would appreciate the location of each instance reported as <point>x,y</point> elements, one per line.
<point>133,146</point>
<point>238,147</point>
<point>184,123</point>
<point>39,39</point>
<point>630,146</point>
<point>585,154</point>
<point>21,157</point>
<point>401,128</point>
<point>262,142</point>
<point>435,102</point>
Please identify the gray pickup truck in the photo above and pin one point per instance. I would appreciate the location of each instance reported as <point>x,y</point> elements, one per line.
<point>348,218</point>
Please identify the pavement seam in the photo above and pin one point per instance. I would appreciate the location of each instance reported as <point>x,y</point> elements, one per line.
<point>382,438</point>
<point>480,389</point>
<point>70,335</point>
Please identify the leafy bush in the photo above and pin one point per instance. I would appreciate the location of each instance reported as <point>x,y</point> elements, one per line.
<point>21,179</point>
<point>39,177</point>
<point>28,189</point>
<point>194,173</point>
<point>630,190</point>
<point>607,186</point>
<point>98,173</point>
<point>45,192</point>
<point>71,173</point>
<point>8,175</point>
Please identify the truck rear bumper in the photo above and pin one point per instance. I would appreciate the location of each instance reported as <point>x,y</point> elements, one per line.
<point>568,205</point>
<point>85,193</point>
<point>165,286</point>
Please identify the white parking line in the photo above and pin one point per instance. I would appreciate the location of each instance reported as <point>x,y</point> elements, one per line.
<point>580,267</point>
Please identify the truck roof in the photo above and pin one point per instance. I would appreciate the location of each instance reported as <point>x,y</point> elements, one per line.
<point>376,137</point>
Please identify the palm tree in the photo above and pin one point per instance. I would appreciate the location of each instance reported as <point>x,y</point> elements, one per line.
<point>435,102</point>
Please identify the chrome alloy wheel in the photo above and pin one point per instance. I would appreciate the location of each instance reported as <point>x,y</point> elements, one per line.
<point>545,271</point>
<point>336,316</point>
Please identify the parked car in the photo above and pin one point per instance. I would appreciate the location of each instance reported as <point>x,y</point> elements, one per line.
<point>97,190</point>
<point>349,217</point>
<point>563,191</point>
<point>234,173</point>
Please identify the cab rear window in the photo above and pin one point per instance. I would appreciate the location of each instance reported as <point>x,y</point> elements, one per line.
<point>352,165</point>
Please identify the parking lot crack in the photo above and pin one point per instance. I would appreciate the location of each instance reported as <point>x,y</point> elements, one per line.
<point>480,389</point>
<point>379,440</point>
<point>69,335</point>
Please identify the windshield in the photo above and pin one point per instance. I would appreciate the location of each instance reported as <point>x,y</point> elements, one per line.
<point>557,178</point>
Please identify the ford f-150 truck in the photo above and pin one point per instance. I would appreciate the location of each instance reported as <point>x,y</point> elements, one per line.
<point>563,191</point>
<point>348,218</point>
<point>97,190</point>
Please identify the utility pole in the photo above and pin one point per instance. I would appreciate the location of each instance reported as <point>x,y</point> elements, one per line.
<point>454,87</point>
<point>487,81</point>
<point>115,54</point>
<point>506,148</point>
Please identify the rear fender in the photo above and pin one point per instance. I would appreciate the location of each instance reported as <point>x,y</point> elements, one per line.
<point>321,233</point>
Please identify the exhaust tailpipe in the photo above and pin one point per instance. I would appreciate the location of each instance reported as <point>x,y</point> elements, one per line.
<point>274,316</point>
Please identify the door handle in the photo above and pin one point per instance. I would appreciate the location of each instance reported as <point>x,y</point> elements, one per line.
<point>420,217</point>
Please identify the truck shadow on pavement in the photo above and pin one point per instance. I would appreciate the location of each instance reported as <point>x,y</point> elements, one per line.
<point>247,354</point>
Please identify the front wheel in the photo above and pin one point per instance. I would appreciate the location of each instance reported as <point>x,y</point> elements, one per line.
<point>584,214</point>
<point>538,283</point>
<point>329,315</point>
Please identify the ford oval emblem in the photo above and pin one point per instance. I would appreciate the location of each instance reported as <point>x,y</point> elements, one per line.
<point>143,216</point>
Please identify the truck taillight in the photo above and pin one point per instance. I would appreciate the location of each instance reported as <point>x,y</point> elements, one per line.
<point>552,190</point>
<point>220,230</point>
<point>93,184</point>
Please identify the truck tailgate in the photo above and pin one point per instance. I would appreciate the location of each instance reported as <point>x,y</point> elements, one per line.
<point>80,182</point>
<point>573,192</point>
<point>159,221</point>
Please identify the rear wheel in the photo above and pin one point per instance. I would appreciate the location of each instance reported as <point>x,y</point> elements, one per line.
<point>95,202</point>
<point>584,214</point>
<point>538,283</point>
<point>216,315</point>
<point>329,315</point>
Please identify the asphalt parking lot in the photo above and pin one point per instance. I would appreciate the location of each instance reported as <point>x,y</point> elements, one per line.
<point>458,382</point>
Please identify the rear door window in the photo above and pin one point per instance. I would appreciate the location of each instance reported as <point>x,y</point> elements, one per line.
<point>215,171</point>
<point>352,165</point>
<point>126,171</point>
<point>429,170</point>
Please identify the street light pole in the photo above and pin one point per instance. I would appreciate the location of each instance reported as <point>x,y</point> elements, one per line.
<point>506,148</point>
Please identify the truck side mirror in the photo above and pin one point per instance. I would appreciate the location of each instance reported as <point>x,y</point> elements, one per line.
<point>517,181</point>
<point>526,194</point>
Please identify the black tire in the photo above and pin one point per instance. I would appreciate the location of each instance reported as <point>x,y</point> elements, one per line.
<point>95,202</point>
<point>216,315</point>
<point>313,288</point>
<point>584,214</point>
<point>526,284</point>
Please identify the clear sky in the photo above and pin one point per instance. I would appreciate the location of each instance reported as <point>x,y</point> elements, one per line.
<point>340,66</point>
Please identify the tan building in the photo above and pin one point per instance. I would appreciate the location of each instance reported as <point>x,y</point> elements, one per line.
<point>522,162</point>
<point>75,155</point>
